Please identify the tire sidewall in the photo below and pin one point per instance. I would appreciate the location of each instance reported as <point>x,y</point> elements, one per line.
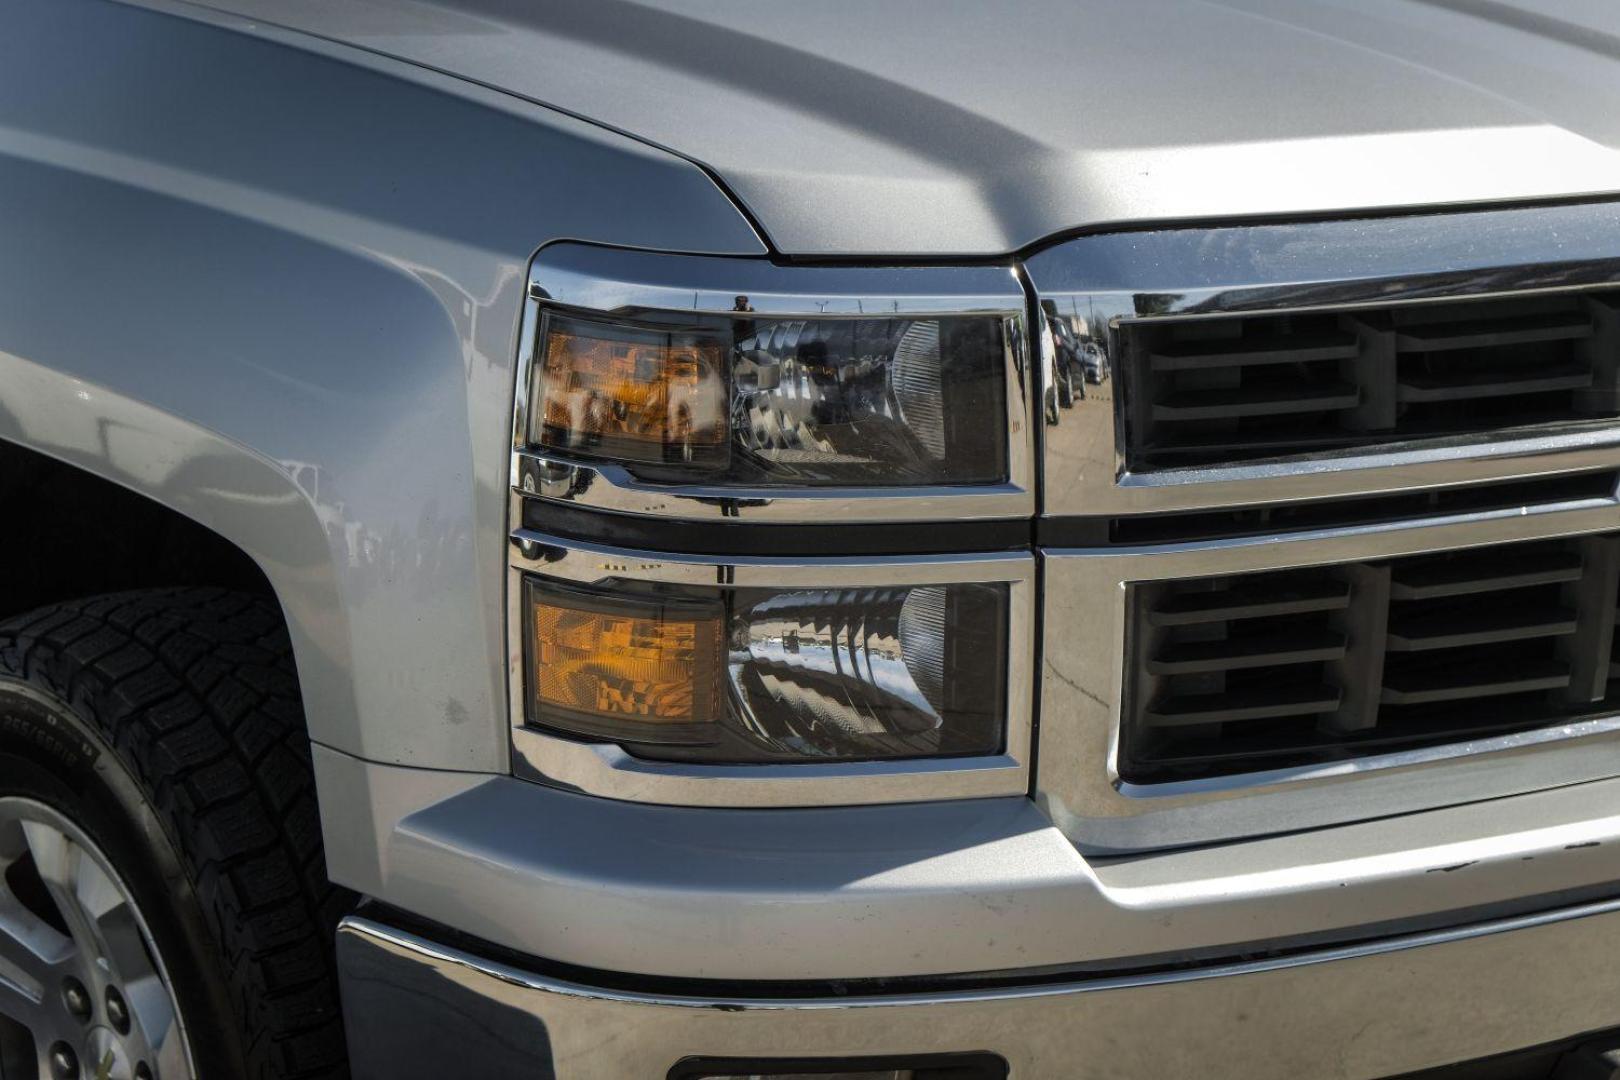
<point>49,752</point>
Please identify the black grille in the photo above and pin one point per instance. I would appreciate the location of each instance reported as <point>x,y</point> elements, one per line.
<point>1227,389</point>
<point>1260,671</point>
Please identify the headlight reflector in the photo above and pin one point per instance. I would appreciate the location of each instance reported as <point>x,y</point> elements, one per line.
<point>772,402</point>
<point>635,394</point>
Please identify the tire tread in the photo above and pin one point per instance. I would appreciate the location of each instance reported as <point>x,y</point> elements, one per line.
<point>195,690</point>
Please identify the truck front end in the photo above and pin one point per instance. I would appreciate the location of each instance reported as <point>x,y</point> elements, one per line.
<point>895,694</point>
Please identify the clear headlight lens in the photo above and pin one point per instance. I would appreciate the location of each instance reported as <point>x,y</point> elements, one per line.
<point>637,395</point>
<point>778,402</point>
<point>764,675</point>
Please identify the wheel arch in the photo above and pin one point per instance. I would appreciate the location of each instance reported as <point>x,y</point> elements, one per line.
<point>242,517</point>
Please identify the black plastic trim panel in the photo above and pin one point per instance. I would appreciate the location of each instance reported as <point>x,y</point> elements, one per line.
<point>755,538</point>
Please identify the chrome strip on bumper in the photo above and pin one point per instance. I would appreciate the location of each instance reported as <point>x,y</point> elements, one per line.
<point>418,1009</point>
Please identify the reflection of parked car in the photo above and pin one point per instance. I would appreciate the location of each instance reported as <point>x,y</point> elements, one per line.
<point>1094,362</point>
<point>1070,371</point>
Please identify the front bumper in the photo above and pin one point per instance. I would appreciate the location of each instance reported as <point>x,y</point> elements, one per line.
<point>926,890</point>
<point>418,1009</point>
<point>1370,949</point>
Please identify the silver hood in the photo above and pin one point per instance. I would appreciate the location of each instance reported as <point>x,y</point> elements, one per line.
<point>852,127</point>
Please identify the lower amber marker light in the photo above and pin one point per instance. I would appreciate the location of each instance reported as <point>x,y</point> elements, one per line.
<point>641,669</point>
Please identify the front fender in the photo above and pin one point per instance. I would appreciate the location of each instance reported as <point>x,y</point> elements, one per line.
<point>275,286</point>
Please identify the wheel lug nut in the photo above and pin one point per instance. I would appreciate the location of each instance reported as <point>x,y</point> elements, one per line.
<point>77,999</point>
<point>117,1011</point>
<point>64,1062</point>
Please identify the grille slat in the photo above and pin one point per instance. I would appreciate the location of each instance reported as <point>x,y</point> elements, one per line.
<point>1475,681</point>
<point>1473,334</point>
<point>1475,385</point>
<point>1480,572</point>
<point>1448,631</point>
<point>1259,704</point>
<point>1255,351</point>
<point>1231,388</point>
<point>1249,600</point>
<point>1234,654</point>
<point>1282,668</point>
<point>1271,401</point>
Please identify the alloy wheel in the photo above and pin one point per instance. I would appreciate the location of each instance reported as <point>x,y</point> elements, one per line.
<point>83,990</point>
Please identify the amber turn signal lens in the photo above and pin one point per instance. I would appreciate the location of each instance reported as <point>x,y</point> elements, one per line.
<point>646,670</point>
<point>632,393</point>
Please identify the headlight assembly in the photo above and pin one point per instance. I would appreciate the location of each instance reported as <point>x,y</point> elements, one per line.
<point>777,402</point>
<point>770,531</point>
<point>772,675</point>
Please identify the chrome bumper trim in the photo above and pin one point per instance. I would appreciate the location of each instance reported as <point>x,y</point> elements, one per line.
<point>414,1008</point>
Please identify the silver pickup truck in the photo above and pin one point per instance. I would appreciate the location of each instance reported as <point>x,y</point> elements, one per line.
<point>710,539</point>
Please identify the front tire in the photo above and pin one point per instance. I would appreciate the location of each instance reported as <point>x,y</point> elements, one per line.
<point>157,805</point>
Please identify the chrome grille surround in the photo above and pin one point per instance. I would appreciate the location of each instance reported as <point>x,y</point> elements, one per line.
<point>1082,692</point>
<point>1113,279</point>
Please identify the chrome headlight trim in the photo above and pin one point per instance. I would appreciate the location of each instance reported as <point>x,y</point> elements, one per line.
<point>613,281</point>
<point>606,769</point>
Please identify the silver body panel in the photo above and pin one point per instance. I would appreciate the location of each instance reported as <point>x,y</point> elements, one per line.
<point>942,888</point>
<point>987,128</point>
<point>302,334</point>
